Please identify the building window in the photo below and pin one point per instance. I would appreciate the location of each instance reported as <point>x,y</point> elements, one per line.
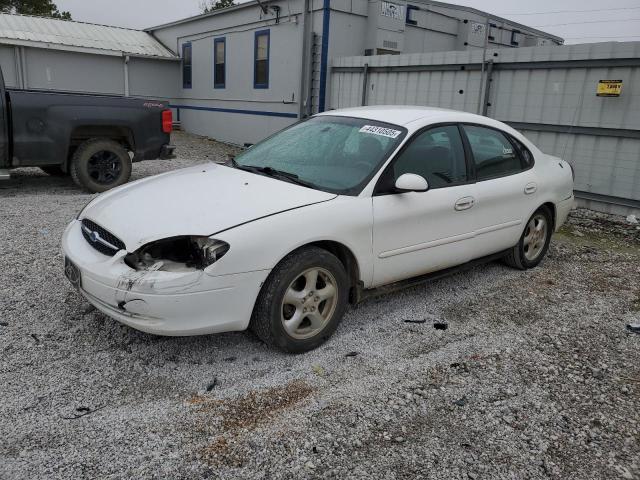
<point>219,62</point>
<point>409,19</point>
<point>186,65</point>
<point>515,38</point>
<point>492,37</point>
<point>261,60</point>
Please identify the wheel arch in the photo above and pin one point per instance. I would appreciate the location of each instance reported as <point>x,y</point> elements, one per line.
<point>552,210</point>
<point>346,257</point>
<point>118,133</point>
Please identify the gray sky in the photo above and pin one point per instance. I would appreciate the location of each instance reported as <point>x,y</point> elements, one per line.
<point>566,18</point>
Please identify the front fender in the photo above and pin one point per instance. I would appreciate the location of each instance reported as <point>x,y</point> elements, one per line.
<point>263,243</point>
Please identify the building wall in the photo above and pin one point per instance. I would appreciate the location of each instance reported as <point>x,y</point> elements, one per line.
<point>153,78</point>
<point>47,69</point>
<point>500,30</point>
<point>8,63</point>
<point>78,72</point>
<point>239,113</point>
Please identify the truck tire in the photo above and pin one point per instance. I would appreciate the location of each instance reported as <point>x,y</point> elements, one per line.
<point>54,170</point>
<point>100,164</point>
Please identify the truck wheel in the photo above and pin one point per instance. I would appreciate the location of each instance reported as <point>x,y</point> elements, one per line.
<point>100,164</point>
<point>53,170</point>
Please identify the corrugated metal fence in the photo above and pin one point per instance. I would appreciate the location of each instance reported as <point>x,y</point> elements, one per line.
<point>549,93</point>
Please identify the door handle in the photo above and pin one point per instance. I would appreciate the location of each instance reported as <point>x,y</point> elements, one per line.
<point>530,188</point>
<point>465,203</point>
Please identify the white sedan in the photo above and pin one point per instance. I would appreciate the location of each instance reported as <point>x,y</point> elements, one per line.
<point>284,236</point>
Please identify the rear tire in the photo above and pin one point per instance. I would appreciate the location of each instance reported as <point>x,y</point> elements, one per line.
<point>534,242</point>
<point>100,164</point>
<point>54,170</point>
<point>302,301</point>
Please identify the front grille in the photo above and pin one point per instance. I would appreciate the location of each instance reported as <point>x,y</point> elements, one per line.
<point>100,239</point>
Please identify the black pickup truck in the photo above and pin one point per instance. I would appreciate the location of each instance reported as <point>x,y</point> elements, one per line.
<point>93,138</point>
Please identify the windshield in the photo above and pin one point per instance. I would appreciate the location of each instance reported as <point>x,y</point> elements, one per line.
<point>334,154</point>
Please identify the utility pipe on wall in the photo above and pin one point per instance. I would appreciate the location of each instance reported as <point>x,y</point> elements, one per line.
<point>23,68</point>
<point>126,75</point>
<point>18,67</point>
<point>303,97</point>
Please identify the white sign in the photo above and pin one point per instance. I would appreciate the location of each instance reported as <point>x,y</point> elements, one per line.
<point>477,29</point>
<point>383,132</point>
<point>392,10</point>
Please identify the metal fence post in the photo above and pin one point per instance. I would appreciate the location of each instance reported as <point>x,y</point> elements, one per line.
<point>487,88</point>
<point>365,74</point>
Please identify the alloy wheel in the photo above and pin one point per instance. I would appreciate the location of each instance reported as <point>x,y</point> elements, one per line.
<point>309,303</point>
<point>104,167</point>
<point>535,237</point>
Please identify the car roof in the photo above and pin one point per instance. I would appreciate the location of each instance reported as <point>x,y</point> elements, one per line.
<point>403,115</point>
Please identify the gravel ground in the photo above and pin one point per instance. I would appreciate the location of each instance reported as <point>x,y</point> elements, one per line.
<point>533,377</point>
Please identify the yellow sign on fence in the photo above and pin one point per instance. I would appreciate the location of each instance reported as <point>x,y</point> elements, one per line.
<point>609,88</point>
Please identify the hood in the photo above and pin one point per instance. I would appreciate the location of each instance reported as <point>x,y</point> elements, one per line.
<point>201,200</point>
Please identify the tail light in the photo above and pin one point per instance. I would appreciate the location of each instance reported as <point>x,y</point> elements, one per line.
<point>167,121</point>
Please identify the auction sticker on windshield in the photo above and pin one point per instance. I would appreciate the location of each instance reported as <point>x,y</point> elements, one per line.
<point>384,132</point>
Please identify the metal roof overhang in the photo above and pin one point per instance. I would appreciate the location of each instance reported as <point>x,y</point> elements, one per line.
<point>78,49</point>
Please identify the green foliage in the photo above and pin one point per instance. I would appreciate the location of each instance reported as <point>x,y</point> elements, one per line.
<point>209,5</point>
<point>41,8</point>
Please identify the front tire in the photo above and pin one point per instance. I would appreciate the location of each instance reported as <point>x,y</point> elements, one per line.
<point>534,242</point>
<point>302,301</point>
<point>100,164</point>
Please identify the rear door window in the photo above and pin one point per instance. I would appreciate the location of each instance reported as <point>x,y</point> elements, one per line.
<point>525,155</point>
<point>493,153</point>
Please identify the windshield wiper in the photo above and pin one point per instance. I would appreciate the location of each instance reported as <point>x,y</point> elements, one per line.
<point>275,173</point>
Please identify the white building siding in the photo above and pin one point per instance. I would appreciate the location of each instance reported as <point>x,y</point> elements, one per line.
<point>70,71</point>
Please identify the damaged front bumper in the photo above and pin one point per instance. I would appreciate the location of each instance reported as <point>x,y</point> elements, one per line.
<point>160,302</point>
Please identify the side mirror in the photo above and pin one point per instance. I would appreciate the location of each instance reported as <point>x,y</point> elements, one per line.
<point>410,182</point>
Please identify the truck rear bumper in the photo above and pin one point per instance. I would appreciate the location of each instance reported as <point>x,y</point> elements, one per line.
<point>166,152</point>
<point>163,153</point>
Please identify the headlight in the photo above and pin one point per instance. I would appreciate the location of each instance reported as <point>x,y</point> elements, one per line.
<point>178,254</point>
<point>211,249</point>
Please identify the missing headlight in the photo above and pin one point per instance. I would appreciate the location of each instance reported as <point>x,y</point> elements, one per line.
<point>178,254</point>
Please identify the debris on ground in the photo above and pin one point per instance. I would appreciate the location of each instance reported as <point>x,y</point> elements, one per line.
<point>633,327</point>
<point>461,402</point>
<point>212,384</point>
